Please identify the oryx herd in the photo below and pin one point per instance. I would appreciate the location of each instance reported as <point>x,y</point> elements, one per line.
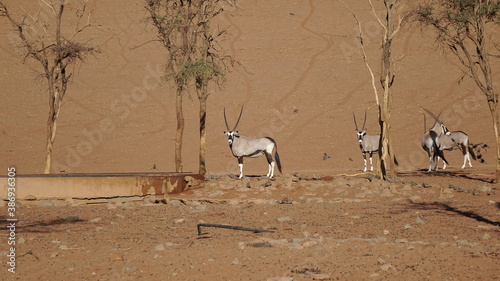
<point>434,142</point>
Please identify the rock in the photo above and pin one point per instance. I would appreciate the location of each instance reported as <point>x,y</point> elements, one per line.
<point>279,279</point>
<point>485,189</point>
<point>200,209</point>
<point>175,203</point>
<point>95,220</point>
<point>386,267</point>
<point>71,219</point>
<point>160,247</point>
<point>283,219</point>
<point>21,240</point>
<point>30,198</point>
<point>401,240</point>
<point>309,243</point>
<point>386,193</point>
<point>419,220</point>
<point>416,199</point>
<point>115,257</point>
<point>318,276</point>
<point>486,236</point>
<point>235,261</point>
<point>407,226</point>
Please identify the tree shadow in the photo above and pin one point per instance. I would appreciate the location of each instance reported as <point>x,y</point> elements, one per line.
<point>41,226</point>
<point>449,174</point>
<point>448,208</point>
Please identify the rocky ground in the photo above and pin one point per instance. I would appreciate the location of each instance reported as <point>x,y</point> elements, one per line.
<point>420,227</point>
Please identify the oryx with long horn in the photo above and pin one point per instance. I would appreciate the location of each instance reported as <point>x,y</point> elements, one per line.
<point>452,141</point>
<point>242,146</point>
<point>368,144</point>
<point>431,141</point>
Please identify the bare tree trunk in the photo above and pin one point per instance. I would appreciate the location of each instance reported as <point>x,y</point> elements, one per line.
<point>202,96</point>
<point>496,125</point>
<point>386,154</point>
<point>180,130</point>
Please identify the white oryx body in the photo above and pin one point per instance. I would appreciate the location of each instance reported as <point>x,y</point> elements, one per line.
<point>242,146</point>
<point>456,140</point>
<point>431,142</point>
<point>368,144</point>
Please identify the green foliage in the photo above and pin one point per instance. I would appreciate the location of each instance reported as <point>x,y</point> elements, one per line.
<point>200,71</point>
<point>458,14</point>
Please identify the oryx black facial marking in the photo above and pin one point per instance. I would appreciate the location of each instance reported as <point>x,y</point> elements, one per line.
<point>368,144</point>
<point>242,146</point>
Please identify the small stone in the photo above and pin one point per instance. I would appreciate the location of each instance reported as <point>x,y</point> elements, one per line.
<point>95,220</point>
<point>416,199</point>
<point>386,267</point>
<point>21,240</point>
<point>54,254</point>
<point>309,243</point>
<point>419,220</point>
<point>200,209</point>
<point>175,203</point>
<point>486,236</point>
<point>401,240</point>
<point>280,279</point>
<point>160,247</point>
<point>283,219</point>
<point>485,189</point>
<point>115,257</point>
<point>386,193</point>
<point>71,219</point>
<point>235,261</point>
<point>407,226</point>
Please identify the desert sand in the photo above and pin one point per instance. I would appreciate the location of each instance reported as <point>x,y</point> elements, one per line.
<point>301,78</point>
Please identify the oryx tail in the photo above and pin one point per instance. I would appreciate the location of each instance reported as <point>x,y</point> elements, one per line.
<point>276,155</point>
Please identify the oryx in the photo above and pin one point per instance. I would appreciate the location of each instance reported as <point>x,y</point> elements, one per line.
<point>242,146</point>
<point>367,143</point>
<point>430,141</point>
<point>454,140</point>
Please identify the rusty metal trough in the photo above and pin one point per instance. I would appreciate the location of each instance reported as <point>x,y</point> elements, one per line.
<point>90,186</point>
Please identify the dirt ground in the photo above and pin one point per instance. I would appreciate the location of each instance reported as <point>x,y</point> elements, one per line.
<point>442,227</point>
<point>301,78</point>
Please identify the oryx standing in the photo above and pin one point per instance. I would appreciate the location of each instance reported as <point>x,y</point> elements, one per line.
<point>431,141</point>
<point>242,146</point>
<point>367,143</point>
<point>457,140</point>
<point>452,141</point>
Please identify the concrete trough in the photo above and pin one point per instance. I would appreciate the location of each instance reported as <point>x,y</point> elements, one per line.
<point>91,186</point>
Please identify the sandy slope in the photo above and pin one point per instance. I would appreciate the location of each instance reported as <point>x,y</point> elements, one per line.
<point>301,80</point>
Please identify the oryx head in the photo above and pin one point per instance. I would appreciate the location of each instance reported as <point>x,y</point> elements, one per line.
<point>361,134</point>
<point>231,134</point>
<point>439,126</point>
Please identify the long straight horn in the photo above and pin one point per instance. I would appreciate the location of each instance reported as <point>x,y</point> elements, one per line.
<point>239,117</point>
<point>364,122</point>
<point>433,116</point>
<point>425,123</point>
<point>356,124</point>
<point>225,119</point>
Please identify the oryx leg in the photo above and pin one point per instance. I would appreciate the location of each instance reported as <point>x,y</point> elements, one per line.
<point>466,154</point>
<point>364,161</point>
<point>430,162</point>
<point>444,164</point>
<point>240,165</point>
<point>270,171</point>
<point>371,162</point>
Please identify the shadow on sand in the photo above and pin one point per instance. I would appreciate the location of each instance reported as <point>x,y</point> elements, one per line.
<point>448,208</point>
